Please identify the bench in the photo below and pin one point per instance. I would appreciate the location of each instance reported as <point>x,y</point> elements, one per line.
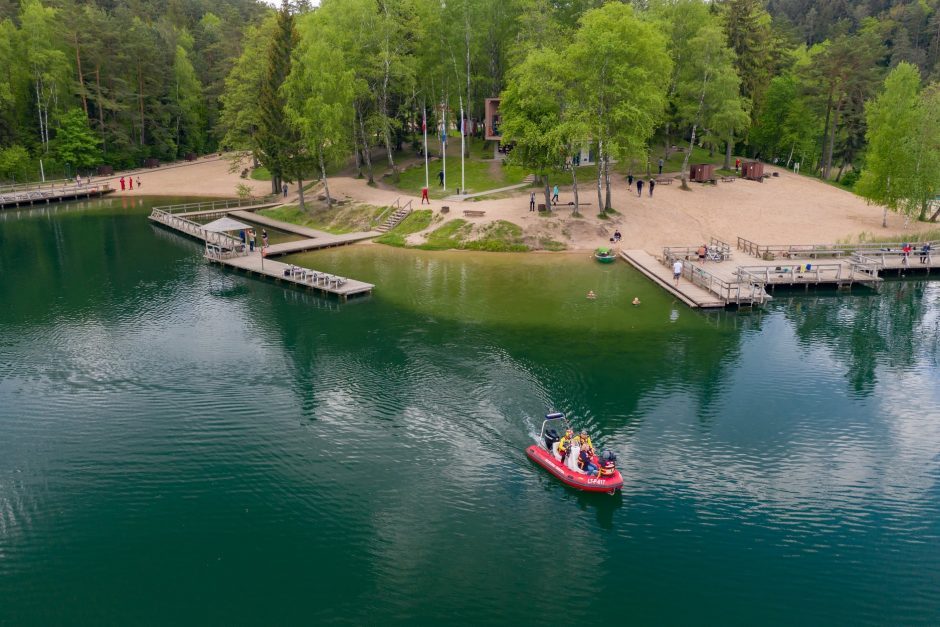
<point>728,179</point>
<point>664,181</point>
<point>473,213</point>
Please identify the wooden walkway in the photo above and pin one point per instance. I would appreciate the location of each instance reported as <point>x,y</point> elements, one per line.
<point>315,280</point>
<point>230,251</point>
<point>315,239</point>
<point>687,291</point>
<point>42,194</point>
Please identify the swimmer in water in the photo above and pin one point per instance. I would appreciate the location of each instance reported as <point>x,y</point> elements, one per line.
<point>591,295</point>
<point>636,301</point>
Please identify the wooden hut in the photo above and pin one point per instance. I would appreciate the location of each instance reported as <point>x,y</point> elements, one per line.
<point>752,170</point>
<point>702,173</point>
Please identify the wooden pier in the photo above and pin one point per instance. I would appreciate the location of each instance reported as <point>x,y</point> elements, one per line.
<point>225,250</point>
<point>25,195</point>
<point>718,281</point>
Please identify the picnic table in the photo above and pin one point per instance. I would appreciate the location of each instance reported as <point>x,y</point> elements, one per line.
<point>664,181</point>
<point>474,213</point>
<point>728,179</point>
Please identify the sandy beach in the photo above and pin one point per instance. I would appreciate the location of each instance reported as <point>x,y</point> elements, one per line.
<point>784,209</point>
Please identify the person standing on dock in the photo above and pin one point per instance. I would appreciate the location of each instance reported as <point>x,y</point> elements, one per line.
<point>677,271</point>
<point>925,253</point>
<point>639,188</point>
<point>264,238</point>
<point>122,183</point>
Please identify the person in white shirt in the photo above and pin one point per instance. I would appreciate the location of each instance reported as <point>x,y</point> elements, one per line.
<point>677,271</point>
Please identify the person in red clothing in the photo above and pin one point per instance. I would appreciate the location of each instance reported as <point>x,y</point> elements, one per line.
<point>122,183</point>
<point>130,180</point>
<point>424,195</point>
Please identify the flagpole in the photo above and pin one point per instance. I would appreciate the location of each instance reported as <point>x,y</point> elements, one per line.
<point>424,127</point>
<point>463,183</point>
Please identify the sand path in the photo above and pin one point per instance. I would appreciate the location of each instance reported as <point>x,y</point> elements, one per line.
<point>786,209</point>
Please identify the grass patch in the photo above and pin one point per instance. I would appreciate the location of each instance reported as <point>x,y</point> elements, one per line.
<point>416,221</point>
<point>931,235</point>
<point>260,173</point>
<point>338,220</point>
<point>603,216</point>
<point>449,235</point>
<point>546,243</point>
<point>480,176</point>
<point>500,236</point>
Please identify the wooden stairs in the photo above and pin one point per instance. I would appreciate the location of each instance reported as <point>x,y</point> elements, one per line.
<point>399,213</point>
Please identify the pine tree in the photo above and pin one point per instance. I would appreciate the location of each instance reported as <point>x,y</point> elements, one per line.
<point>273,139</point>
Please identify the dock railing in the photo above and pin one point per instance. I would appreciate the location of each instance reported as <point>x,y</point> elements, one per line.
<point>788,273</point>
<point>43,192</point>
<point>724,247</point>
<point>815,251</point>
<point>218,205</point>
<point>223,245</point>
<point>738,293</point>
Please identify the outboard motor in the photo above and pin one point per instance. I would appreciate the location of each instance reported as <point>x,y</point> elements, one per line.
<point>608,463</point>
<point>551,436</point>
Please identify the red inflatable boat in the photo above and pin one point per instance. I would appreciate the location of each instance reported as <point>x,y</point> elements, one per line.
<point>606,479</point>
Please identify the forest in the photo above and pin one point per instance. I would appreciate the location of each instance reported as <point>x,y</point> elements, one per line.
<point>846,89</point>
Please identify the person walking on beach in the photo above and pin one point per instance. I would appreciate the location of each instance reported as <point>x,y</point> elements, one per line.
<point>532,201</point>
<point>652,185</point>
<point>639,188</point>
<point>122,183</point>
<point>555,195</point>
<point>138,182</point>
<point>677,271</point>
<point>424,196</point>
<point>660,165</point>
<point>629,181</point>
<point>130,182</point>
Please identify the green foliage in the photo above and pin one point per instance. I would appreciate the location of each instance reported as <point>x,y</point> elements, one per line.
<point>479,176</point>
<point>498,237</point>
<point>75,144</point>
<point>903,135</point>
<point>14,163</point>
<point>345,219</point>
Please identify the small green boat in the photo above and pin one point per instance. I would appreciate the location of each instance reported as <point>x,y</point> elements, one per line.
<point>604,255</point>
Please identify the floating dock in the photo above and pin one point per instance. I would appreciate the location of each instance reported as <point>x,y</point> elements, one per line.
<point>231,252</point>
<point>21,196</point>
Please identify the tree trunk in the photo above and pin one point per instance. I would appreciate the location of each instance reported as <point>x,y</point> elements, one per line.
<point>104,143</point>
<point>825,133</point>
<point>600,173</point>
<point>81,78</point>
<point>729,149</point>
<point>827,167</point>
<point>607,204</point>
<point>300,190</point>
<point>548,195</point>
<point>574,188</point>
<point>685,162</point>
<point>326,185</point>
<point>366,148</point>
<point>936,215</point>
<point>140,100</point>
<point>790,156</point>
<point>42,135</point>
<point>356,151</point>
<point>884,218</point>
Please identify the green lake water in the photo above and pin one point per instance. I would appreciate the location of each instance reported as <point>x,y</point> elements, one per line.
<point>181,444</point>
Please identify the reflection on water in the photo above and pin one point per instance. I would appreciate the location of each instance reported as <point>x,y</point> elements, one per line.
<point>250,450</point>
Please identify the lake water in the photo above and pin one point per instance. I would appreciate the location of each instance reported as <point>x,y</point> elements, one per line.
<point>181,444</point>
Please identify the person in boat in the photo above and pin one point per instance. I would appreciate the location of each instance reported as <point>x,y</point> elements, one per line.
<point>564,444</point>
<point>585,440</point>
<point>587,461</point>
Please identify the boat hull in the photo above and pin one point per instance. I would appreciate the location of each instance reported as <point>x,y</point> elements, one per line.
<point>564,474</point>
<point>604,259</point>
